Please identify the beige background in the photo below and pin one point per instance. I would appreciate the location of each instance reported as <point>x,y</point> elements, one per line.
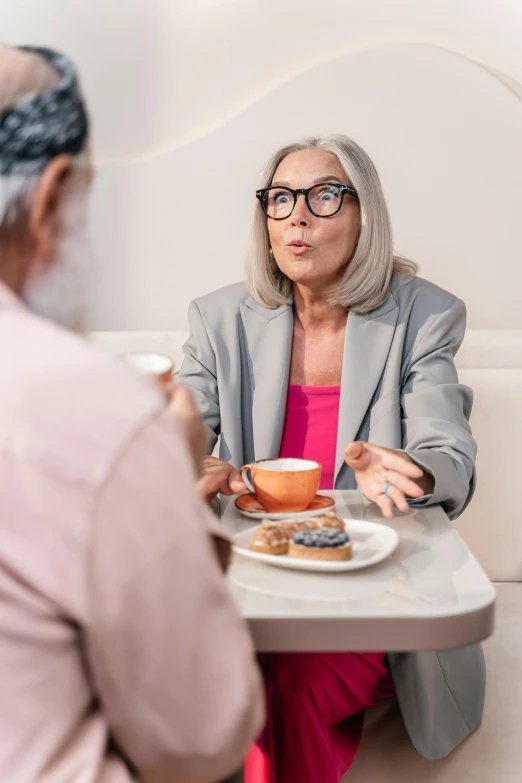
<point>188,98</point>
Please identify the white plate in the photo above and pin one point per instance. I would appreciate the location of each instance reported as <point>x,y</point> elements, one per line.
<point>371,543</point>
<point>316,512</point>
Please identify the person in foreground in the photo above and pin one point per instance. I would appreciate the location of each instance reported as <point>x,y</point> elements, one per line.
<point>122,656</point>
<point>335,351</point>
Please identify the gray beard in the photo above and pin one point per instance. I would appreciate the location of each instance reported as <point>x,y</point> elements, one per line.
<point>62,293</point>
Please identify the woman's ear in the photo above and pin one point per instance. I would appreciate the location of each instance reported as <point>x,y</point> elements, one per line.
<point>44,215</point>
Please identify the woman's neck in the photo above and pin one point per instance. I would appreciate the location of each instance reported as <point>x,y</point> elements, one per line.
<point>313,312</point>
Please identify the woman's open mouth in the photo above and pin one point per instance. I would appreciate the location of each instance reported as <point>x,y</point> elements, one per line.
<point>298,247</point>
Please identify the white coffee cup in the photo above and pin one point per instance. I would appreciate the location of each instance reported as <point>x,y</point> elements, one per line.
<point>156,365</point>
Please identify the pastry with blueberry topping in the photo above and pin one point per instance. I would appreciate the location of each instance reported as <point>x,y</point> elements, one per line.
<point>322,544</point>
<point>273,538</point>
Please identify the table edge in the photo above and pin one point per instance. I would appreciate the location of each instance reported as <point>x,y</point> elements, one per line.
<point>365,634</point>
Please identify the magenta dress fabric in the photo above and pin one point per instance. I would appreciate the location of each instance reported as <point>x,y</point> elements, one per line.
<point>315,701</point>
<point>310,429</point>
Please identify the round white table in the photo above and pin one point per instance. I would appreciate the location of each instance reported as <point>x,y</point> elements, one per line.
<point>431,594</point>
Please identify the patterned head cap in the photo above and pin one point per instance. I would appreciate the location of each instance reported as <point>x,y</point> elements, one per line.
<point>45,126</point>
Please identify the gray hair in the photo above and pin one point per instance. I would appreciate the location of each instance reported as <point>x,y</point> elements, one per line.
<point>366,283</point>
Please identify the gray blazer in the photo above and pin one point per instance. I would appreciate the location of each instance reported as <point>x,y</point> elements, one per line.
<point>399,389</point>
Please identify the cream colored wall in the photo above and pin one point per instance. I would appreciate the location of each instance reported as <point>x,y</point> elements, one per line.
<point>188,98</point>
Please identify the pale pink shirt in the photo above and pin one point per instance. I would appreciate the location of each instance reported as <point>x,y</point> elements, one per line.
<point>310,428</point>
<point>118,636</point>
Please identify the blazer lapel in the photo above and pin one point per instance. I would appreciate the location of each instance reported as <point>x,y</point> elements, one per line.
<point>269,344</point>
<point>366,347</point>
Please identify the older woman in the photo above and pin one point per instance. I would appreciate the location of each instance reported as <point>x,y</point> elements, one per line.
<point>335,351</point>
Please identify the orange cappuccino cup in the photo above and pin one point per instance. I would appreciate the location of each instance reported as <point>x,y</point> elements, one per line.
<point>284,484</point>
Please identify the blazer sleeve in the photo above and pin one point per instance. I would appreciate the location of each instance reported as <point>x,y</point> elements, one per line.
<point>436,410</point>
<point>199,372</point>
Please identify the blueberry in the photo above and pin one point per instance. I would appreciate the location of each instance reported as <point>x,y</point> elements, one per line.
<point>324,537</point>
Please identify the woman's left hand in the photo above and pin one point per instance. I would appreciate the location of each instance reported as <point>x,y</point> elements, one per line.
<point>375,467</point>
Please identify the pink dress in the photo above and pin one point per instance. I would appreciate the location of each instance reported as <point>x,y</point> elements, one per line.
<point>315,701</point>
<point>310,430</point>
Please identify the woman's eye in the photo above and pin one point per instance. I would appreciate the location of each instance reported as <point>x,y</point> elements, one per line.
<point>328,195</point>
<point>281,198</point>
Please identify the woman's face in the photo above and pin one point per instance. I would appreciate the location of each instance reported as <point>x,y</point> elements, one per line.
<point>329,241</point>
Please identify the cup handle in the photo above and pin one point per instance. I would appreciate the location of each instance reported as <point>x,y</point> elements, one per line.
<point>246,480</point>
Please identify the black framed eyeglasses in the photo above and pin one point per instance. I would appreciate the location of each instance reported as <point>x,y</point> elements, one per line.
<point>323,200</point>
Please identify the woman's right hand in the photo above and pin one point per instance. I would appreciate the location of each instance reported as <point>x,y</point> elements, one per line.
<point>218,476</point>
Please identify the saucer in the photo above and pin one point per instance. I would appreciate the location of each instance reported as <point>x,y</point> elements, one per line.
<point>250,506</point>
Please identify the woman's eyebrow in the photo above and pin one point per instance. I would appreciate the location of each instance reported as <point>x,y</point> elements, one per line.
<point>316,181</point>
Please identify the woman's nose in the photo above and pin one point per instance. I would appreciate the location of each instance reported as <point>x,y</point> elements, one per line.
<point>301,214</point>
